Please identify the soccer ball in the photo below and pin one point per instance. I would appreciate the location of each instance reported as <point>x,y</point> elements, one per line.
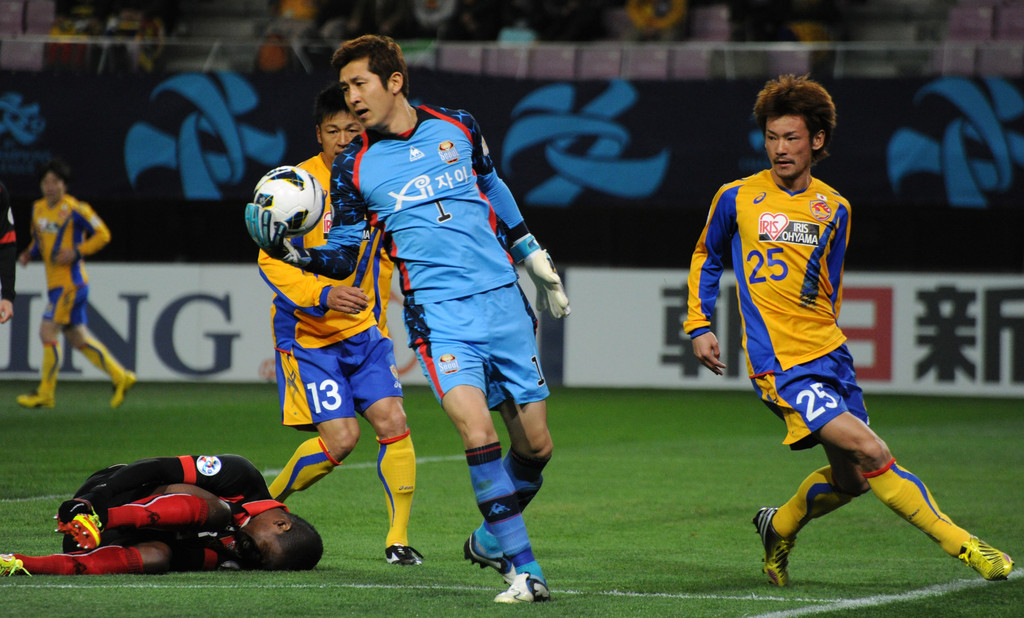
<point>292,197</point>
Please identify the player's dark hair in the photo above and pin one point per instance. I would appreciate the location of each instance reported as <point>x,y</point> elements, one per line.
<point>58,167</point>
<point>301,546</point>
<point>330,101</point>
<point>384,54</point>
<point>790,95</point>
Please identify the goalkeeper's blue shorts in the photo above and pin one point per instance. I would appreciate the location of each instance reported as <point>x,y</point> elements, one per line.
<point>487,340</point>
<point>337,380</point>
<point>809,395</point>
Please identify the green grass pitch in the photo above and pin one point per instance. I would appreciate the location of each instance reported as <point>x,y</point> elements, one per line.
<point>645,509</point>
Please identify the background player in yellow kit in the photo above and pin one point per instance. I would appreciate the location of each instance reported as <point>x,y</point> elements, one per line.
<point>787,233</point>
<point>334,357</point>
<point>64,231</point>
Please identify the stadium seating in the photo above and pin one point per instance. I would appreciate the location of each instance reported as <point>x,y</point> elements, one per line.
<point>789,61</point>
<point>12,17</point>
<point>970,23</point>
<point>690,63</point>
<point>461,58</point>
<point>646,62</point>
<point>39,16</point>
<point>601,62</point>
<point>506,61</point>
<point>552,62</point>
<point>1009,21</point>
<point>1000,60</point>
<point>710,23</point>
<point>21,55</point>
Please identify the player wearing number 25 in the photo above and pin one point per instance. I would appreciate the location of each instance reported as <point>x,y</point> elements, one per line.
<point>786,233</point>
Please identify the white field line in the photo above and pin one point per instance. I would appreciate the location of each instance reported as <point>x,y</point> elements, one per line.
<point>24,583</point>
<point>887,599</point>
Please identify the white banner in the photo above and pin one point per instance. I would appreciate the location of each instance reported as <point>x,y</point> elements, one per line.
<point>924,334</point>
<point>168,322</point>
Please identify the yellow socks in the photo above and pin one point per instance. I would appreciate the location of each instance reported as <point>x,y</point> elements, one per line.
<point>396,465</point>
<point>98,355</point>
<point>309,463</point>
<point>816,496</point>
<point>51,365</point>
<point>904,493</point>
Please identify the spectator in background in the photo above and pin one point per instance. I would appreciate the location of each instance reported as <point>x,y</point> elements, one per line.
<point>8,256</point>
<point>475,20</point>
<point>432,16</point>
<point>345,19</point>
<point>64,231</point>
<point>569,20</point>
<point>789,20</point>
<point>657,20</point>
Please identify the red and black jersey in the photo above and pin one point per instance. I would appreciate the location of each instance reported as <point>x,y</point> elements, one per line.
<point>8,246</point>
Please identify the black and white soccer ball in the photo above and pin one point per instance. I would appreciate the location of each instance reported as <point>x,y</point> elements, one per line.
<point>293,197</point>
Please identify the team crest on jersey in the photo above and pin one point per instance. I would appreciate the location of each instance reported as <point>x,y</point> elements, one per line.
<point>448,363</point>
<point>208,465</point>
<point>446,150</point>
<point>777,227</point>
<point>415,154</point>
<point>820,209</point>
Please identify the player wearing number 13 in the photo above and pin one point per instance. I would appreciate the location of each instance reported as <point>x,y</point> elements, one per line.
<point>786,233</point>
<point>334,358</point>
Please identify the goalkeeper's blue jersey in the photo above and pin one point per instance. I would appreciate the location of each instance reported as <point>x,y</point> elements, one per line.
<point>436,196</point>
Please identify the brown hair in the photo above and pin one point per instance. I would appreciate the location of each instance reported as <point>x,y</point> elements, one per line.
<point>789,95</point>
<point>384,54</point>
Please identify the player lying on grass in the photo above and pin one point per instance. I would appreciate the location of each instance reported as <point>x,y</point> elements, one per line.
<point>189,513</point>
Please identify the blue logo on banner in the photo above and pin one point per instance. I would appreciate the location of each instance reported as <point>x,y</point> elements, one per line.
<point>23,122</point>
<point>967,178</point>
<point>545,116</point>
<point>218,105</point>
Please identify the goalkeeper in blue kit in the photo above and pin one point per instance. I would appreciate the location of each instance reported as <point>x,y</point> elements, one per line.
<point>423,175</point>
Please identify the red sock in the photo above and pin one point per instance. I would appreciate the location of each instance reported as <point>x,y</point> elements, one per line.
<point>164,511</point>
<point>110,560</point>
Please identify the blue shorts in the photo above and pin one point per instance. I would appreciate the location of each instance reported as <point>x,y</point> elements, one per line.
<point>66,306</point>
<point>336,381</point>
<point>486,340</point>
<point>811,394</point>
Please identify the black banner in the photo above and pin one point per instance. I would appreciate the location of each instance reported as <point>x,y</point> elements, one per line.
<point>948,141</point>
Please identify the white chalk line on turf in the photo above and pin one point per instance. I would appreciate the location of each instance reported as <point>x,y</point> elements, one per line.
<point>272,473</point>
<point>608,593</point>
<point>886,599</point>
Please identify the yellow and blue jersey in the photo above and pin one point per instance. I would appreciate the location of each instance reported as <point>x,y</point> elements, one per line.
<point>299,313</point>
<point>68,224</point>
<point>787,251</point>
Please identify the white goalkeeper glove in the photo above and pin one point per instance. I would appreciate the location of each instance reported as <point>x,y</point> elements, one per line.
<point>270,237</point>
<point>551,295</point>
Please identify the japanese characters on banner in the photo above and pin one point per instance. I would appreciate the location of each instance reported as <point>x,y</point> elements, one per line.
<point>921,334</point>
